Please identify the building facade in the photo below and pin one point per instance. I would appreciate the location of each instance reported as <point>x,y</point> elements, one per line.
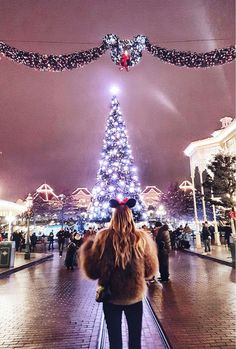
<point>201,152</point>
<point>82,197</point>
<point>45,193</point>
<point>151,196</point>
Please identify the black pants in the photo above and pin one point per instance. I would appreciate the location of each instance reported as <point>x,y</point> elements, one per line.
<point>163,258</point>
<point>60,246</point>
<point>113,316</point>
<point>50,245</point>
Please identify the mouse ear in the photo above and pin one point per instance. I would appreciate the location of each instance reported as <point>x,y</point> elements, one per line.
<point>131,203</point>
<point>113,203</point>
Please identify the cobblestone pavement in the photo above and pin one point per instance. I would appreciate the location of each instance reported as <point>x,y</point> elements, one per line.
<point>221,252</point>
<point>197,308</point>
<point>47,307</point>
<point>21,263</point>
<point>20,258</point>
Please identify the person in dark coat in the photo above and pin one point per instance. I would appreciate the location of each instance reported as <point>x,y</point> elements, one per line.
<point>33,240</point>
<point>22,241</point>
<point>228,233</point>
<point>206,237</point>
<point>70,260</point>
<point>164,247</point>
<point>51,241</point>
<point>158,225</point>
<point>77,239</point>
<point>17,238</point>
<point>61,241</point>
<point>173,239</point>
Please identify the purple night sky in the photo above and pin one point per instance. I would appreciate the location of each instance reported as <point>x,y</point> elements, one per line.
<point>53,124</point>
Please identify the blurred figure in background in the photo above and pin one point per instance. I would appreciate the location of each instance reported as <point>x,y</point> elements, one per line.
<point>206,237</point>
<point>51,241</point>
<point>33,240</point>
<point>164,247</point>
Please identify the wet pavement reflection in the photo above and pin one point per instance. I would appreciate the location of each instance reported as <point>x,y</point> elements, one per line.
<point>197,308</point>
<point>48,307</point>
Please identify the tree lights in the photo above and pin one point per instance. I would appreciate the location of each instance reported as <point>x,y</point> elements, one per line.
<point>117,176</point>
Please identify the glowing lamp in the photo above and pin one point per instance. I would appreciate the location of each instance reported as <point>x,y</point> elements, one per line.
<point>10,219</point>
<point>114,90</point>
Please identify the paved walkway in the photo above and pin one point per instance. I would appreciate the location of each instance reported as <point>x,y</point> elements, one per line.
<point>47,307</point>
<point>197,307</point>
<point>218,253</point>
<point>21,263</point>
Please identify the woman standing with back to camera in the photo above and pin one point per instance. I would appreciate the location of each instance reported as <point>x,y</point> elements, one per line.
<point>124,258</point>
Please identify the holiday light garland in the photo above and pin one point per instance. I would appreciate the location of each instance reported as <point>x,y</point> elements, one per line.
<point>52,62</point>
<point>125,53</point>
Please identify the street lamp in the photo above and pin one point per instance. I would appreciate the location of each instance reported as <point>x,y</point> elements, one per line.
<point>186,185</point>
<point>216,233</point>
<point>62,199</point>
<point>161,212</point>
<point>150,213</point>
<point>10,219</point>
<point>82,220</point>
<point>28,215</point>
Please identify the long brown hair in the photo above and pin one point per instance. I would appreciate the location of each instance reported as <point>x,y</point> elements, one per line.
<point>127,241</point>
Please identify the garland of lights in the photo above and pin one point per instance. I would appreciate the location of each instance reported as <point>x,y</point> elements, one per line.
<point>125,53</point>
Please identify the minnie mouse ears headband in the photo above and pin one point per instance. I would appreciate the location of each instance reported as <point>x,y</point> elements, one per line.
<point>114,203</point>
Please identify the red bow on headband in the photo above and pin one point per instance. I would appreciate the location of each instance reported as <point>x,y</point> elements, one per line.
<point>122,202</point>
<point>114,203</point>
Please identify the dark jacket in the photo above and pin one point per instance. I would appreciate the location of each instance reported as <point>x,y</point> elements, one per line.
<point>127,285</point>
<point>33,239</point>
<point>61,236</point>
<point>70,255</point>
<point>51,237</point>
<point>163,240</point>
<point>205,233</point>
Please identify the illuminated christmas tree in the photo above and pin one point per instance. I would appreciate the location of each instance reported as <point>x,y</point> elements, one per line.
<point>117,176</point>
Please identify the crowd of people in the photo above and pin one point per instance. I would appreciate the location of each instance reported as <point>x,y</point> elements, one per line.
<point>166,239</point>
<point>180,238</point>
<point>67,240</point>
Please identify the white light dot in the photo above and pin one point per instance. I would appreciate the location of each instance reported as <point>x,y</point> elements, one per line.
<point>114,90</point>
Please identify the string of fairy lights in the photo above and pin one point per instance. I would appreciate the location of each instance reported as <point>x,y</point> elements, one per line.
<point>124,53</point>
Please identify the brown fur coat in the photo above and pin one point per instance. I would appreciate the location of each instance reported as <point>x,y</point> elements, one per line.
<point>127,285</point>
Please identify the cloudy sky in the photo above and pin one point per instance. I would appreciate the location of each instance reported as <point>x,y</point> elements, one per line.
<point>52,124</point>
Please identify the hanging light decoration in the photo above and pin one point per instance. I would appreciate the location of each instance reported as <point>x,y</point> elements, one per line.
<point>124,53</point>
